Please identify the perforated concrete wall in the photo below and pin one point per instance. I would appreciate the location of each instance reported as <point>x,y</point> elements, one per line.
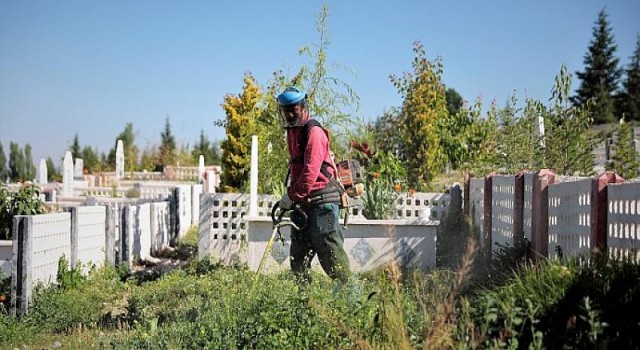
<point>502,211</point>
<point>623,220</point>
<point>51,239</point>
<point>569,217</point>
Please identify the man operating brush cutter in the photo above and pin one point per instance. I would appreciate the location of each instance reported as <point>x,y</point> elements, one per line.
<point>279,223</point>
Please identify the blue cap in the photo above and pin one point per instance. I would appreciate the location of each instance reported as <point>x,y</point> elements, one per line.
<point>291,95</point>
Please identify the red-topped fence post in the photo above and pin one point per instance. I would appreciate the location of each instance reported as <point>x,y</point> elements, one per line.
<point>599,200</point>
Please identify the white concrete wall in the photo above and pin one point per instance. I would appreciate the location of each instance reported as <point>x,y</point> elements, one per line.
<point>476,204</point>
<point>623,220</point>
<point>368,244</point>
<point>90,247</point>
<point>569,217</point>
<point>51,239</point>
<point>6,252</point>
<point>160,226</point>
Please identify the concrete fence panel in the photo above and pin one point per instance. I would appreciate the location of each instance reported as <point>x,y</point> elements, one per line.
<point>623,220</point>
<point>502,218</point>
<point>569,218</point>
<point>39,241</point>
<point>88,236</point>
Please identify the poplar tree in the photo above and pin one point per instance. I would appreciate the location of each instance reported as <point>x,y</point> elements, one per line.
<point>29,168</point>
<point>630,97</point>
<point>241,113</point>
<point>625,160</point>
<point>52,171</point>
<point>568,144</point>
<point>4,172</point>
<point>16,162</point>
<point>599,80</point>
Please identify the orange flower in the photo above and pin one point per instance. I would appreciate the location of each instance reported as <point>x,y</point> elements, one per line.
<point>2,298</point>
<point>376,175</point>
<point>397,187</point>
<point>411,192</point>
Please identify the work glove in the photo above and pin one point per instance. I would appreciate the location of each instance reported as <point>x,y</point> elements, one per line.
<point>286,203</point>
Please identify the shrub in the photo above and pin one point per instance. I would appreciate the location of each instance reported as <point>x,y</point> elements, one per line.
<point>25,201</point>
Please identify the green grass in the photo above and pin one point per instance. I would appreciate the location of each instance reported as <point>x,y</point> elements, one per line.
<point>554,304</point>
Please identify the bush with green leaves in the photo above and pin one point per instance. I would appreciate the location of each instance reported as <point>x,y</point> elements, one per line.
<point>25,201</point>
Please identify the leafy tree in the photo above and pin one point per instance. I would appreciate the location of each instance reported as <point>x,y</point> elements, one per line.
<point>4,172</point>
<point>568,145</point>
<point>75,148</point>
<point>16,162</point>
<point>29,168</point>
<point>204,147</point>
<point>625,157</point>
<point>518,142</point>
<point>599,80</point>
<point>424,104</point>
<point>167,146</point>
<point>630,97</point>
<point>129,147</point>
<point>149,158</point>
<point>53,174</point>
<point>241,111</point>
<point>454,101</point>
<point>463,134</point>
<point>91,160</point>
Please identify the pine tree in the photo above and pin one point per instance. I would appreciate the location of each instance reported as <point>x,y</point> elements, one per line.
<point>625,157</point>
<point>601,75</point>
<point>630,103</point>
<point>207,149</point>
<point>241,111</point>
<point>168,153</point>
<point>76,150</point>
<point>4,172</point>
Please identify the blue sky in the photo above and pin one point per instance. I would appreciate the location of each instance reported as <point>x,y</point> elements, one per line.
<point>90,67</point>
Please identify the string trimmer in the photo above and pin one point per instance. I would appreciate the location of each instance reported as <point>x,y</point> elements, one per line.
<point>279,222</point>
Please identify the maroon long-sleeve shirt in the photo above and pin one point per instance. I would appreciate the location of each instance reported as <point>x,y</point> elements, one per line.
<point>306,176</point>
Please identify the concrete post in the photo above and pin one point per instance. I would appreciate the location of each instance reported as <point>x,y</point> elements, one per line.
<point>599,200</point>
<point>467,194</point>
<point>21,264</point>
<point>488,215</point>
<point>540,212</point>
<point>74,236</point>
<point>518,208</point>
<point>110,235</point>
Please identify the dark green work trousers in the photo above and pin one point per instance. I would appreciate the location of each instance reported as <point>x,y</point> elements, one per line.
<point>322,236</point>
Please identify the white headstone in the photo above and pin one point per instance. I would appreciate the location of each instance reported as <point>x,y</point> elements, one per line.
<point>540,129</point>
<point>77,169</point>
<point>67,175</point>
<point>119,161</point>
<point>253,184</point>
<point>210,182</point>
<point>42,172</point>
<point>201,169</point>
